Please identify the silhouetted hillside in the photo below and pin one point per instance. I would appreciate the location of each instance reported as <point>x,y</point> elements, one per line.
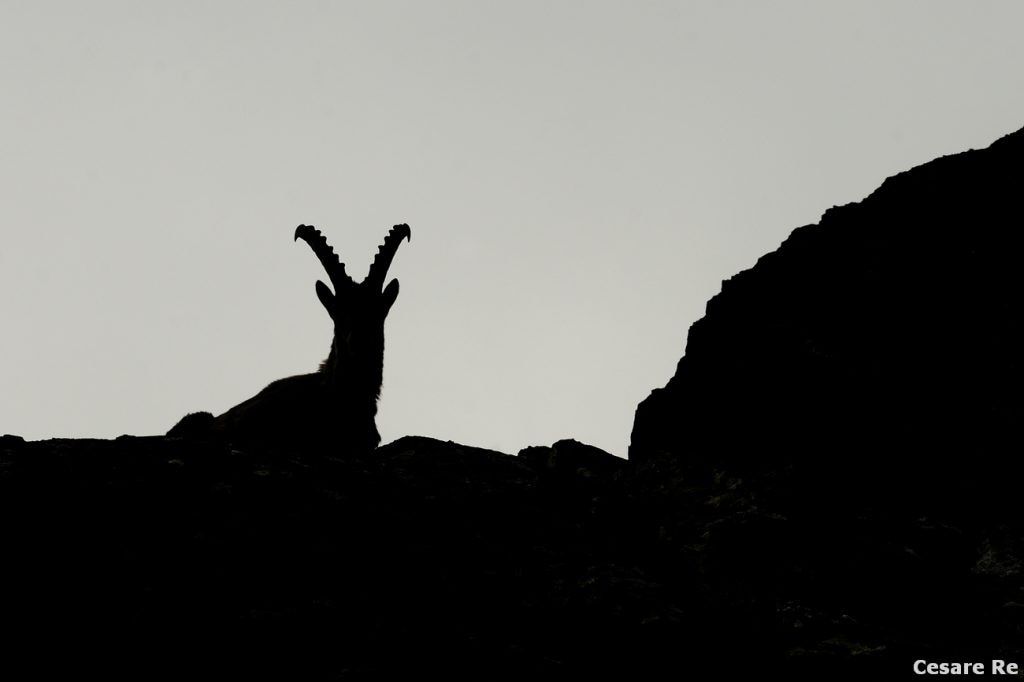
<point>159,557</point>
<point>826,488</point>
<point>846,424</point>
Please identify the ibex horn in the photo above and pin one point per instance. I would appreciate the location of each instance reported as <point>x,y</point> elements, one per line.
<point>385,254</point>
<point>334,267</point>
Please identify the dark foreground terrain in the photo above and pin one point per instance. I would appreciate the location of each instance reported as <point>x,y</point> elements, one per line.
<point>830,487</point>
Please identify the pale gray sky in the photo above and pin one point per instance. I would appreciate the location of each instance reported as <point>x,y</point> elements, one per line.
<point>579,178</point>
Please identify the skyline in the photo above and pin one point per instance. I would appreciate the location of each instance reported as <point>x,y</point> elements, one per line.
<point>578,186</point>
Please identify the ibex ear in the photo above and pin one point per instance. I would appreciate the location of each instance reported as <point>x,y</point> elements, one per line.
<point>390,294</point>
<point>323,292</point>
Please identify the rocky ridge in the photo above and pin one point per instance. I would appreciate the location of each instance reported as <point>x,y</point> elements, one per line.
<point>826,488</point>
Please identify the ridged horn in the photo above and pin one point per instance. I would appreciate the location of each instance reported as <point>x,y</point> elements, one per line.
<point>385,254</point>
<point>334,267</point>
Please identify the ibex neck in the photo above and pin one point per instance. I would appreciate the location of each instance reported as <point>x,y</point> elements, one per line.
<point>354,378</point>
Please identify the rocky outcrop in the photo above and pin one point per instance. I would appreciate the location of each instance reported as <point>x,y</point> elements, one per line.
<point>882,343</point>
<point>841,443</point>
<point>175,558</point>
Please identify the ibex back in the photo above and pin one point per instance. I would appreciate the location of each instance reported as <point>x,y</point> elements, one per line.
<point>334,408</point>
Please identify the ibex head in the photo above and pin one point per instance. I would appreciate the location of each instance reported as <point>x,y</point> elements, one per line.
<point>355,364</point>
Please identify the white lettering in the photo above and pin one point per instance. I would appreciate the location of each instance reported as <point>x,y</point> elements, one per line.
<point>1000,667</point>
<point>923,667</point>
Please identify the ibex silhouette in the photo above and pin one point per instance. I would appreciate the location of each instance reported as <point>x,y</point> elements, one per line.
<point>334,408</point>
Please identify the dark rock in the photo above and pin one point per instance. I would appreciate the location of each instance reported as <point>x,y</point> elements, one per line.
<point>879,348</point>
<point>429,558</point>
<point>574,458</point>
<point>193,425</point>
<point>844,430</point>
<point>9,441</point>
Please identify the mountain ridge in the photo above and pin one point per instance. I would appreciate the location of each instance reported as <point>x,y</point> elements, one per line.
<point>825,488</point>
